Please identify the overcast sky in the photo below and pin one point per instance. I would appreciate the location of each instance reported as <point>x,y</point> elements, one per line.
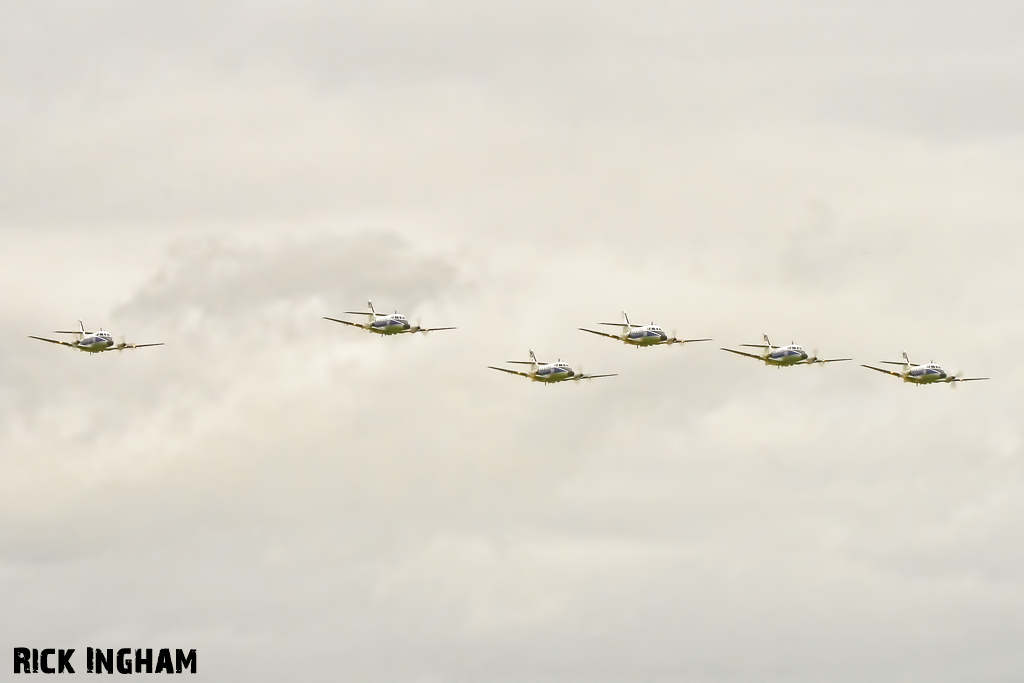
<point>299,500</point>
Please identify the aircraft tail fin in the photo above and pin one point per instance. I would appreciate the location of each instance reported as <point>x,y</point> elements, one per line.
<point>80,332</point>
<point>533,362</point>
<point>371,313</point>
<point>905,363</point>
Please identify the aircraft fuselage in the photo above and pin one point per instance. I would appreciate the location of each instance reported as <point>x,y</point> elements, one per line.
<point>553,372</point>
<point>785,355</point>
<point>925,374</point>
<point>389,324</point>
<point>645,336</point>
<point>95,343</point>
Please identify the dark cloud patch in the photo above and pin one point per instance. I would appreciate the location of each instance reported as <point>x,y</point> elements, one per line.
<point>216,282</point>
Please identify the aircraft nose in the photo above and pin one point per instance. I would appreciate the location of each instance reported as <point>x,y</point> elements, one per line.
<point>664,337</point>
<point>571,373</point>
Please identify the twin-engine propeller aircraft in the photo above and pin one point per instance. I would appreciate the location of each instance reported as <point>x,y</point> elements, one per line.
<point>93,342</point>
<point>641,335</point>
<point>386,324</point>
<point>547,372</point>
<point>779,356</point>
<point>931,373</point>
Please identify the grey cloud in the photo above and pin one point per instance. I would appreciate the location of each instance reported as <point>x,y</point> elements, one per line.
<point>283,110</point>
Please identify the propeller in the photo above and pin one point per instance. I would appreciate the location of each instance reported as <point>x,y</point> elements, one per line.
<point>814,358</point>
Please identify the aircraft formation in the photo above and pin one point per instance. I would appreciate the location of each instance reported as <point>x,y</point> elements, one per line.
<point>390,324</point>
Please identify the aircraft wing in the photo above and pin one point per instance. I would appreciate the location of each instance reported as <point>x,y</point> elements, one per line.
<point>685,341</point>
<point>967,379</point>
<point>120,347</point>
<point>54,341</point>
<point>577,378</point>
<point>888,372</point>
<point>346,322</point>
<point>603,334</point>
<point>511,372</point>
<point>414,330</point>
<point>741,353</point>
<point>824,360</point>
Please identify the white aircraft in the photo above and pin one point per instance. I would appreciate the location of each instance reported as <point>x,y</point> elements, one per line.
<point>547,372</point>
<point>779,356</point>
<point>93,342</point>
<point>931,373</point>
<point>641,335</point>
<point>386,324</point>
